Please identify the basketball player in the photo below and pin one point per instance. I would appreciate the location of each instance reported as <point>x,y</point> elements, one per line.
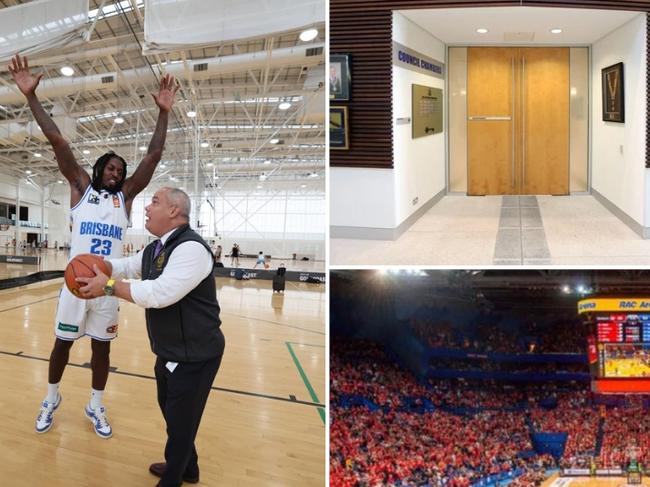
<point>100,210</point>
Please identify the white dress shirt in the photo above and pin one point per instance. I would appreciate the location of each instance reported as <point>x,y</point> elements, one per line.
<point>187,266</point>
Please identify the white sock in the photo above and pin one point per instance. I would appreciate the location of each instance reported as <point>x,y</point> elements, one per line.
<point>96,398</point>
<point>52,392</point>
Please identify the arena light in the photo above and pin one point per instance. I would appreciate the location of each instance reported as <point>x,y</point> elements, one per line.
<point>60,181</point>
<point>118,120</point>
<point>267,162</point>
<point>566,289</point>
<point>142,148</point>
<point>274,141</point>
<point>205,144</point>
<point>285,105</point>
<point>37,154</point>
<point>86,151</point>
<point>581,289</point>
<point>308,35</point>
<point>303,185</point>
<point>556,31</point>
<point>209,164</point>
<point>191,114</point>
<point>67,71</point>
<point>28,171</point>
<point>482,30</point>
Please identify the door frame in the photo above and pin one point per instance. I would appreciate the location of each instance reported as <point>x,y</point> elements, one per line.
<point>447,103</point>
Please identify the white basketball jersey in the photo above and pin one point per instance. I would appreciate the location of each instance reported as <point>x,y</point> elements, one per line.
<point>99,223</point>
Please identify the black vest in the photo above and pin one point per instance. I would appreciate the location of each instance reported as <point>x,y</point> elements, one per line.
<point>188,330</point>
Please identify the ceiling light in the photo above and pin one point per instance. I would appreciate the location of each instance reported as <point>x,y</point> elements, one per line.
<point>308,35</point>
<point>28,171</point>
<point>86,151</point>
<point>267,162</point>
<point>313,175</point>
<point>262,177</point>
<point>259,186</point>
<point>162,166</point>
<point>209,164</point>
<point>556,31</point>
<point>285,105</point>
<point>142,148</point>
<point>191,114</point>
<point>118,120</point>
<point>205,144</point>
<point>303,185</point>
<point>566,289</point>
<point>67,71</point>
<point>274,141</point>
<point>482,30</point>
<point>37,154</point>
<point>60,181</point>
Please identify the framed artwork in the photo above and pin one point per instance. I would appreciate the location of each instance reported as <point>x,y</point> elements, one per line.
<point>339,77</point>
<point>339,128</point>
<point>613,94</point>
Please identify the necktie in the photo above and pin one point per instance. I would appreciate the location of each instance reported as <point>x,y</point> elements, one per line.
<point>157,249</point>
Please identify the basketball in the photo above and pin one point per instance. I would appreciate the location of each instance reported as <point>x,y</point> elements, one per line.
<point>82,266</point>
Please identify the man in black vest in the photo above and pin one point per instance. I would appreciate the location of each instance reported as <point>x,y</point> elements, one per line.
<point>182,313</point>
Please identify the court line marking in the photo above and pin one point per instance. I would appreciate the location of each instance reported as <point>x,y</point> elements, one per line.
<point>274,323</point>
<point>143,376</point>
<point>28,304</point>
<point>312,393</point>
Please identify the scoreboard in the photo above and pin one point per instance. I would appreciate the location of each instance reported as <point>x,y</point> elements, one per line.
<point>623,328</point>
<point>619,343</point>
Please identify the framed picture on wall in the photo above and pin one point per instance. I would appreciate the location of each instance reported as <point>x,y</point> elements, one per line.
<point>613,94</point>
<point>339,128</point>
<point>339,77</point>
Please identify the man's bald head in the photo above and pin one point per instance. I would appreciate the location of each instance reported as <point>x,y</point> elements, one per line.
<point>179,199</point>
<point>169,209</point>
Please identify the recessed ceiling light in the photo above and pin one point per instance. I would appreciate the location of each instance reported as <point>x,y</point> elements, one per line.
<point>86,151</point>
<point>205,144</point>
<point>191,114</point>
<point>142,148</point>
<point>308,35</point>
<point>119,120</point>
<point>274,141</point>
<point>482,30</point>
<point>556,31</point>
<point>67,71</point>
<point>37,154</point>
<point>285,105</point>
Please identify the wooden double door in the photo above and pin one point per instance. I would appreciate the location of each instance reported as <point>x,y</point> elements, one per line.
<point>518,120</point>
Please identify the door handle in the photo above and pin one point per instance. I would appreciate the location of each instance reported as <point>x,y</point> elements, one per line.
<point>489,118</point>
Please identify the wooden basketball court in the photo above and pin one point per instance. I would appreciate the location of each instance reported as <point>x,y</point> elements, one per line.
<point>264,422</point>
<point>556,481</point>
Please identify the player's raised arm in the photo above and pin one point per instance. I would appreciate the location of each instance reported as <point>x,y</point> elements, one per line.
<point>141,177</point>
<point>27,84</point>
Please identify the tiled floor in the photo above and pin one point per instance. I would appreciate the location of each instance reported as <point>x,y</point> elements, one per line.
<point>508,230</point>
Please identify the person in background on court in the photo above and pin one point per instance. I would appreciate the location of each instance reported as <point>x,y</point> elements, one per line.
<point>217,256</point>
<point>234,256</point>
<point>99,206</point>
<point>260,260</point>
<point>178,293</point>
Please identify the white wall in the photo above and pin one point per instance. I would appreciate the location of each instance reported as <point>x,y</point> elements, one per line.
<point>362,197</point>
<point>419,163</point>
<point>621,178</point>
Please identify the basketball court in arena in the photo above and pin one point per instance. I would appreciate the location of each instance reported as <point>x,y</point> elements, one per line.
<point>556,481</point>
<point>264,422</point>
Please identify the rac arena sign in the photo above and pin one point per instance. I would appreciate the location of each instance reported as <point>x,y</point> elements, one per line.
<point>613,304</point>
